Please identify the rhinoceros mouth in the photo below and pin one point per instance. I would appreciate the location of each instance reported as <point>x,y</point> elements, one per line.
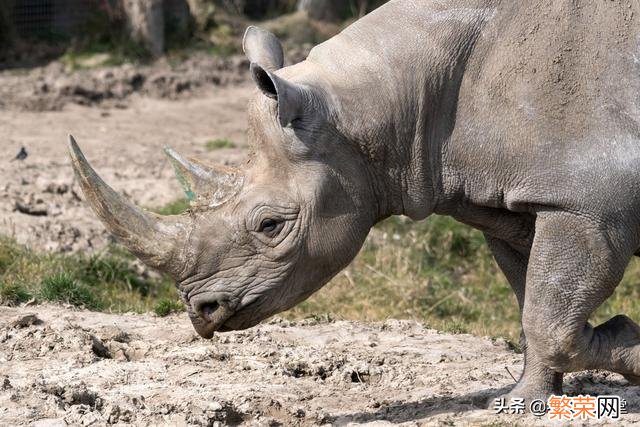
<point>209,316</point>
<point>209,319</point>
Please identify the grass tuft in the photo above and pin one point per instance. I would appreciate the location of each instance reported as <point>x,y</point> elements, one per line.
<point>63,288</point>
<point>111,280</point>
<point>218,144</point>
<point>13,294</point>
<point>166,306</point>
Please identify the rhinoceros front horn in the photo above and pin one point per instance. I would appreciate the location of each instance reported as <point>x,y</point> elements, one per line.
<point>150,237</point>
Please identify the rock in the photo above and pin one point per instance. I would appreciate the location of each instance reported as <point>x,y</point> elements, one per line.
<point>6,384</point>
<point>325,10</point>
<point>37,208</point>
<point>99,349</point>
<point>118,350</point>
<point>111,413</point>
<point>214,406</point>
<point>57,188</point>
<point>114,333</point>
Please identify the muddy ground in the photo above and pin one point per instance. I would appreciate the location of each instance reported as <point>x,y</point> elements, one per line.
<point>62,366</point>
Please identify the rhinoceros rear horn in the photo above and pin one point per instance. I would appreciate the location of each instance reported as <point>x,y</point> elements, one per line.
<point>204,185</point>
<point>150,237</point>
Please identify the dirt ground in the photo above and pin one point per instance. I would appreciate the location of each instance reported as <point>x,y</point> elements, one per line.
<point>40,205</point>
<point>60,366</point>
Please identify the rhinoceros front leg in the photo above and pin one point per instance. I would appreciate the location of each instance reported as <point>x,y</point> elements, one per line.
<point>536,379</point>
<point>574,265</point>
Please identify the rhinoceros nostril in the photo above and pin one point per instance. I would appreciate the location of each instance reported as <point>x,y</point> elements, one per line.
<point>209,309</point>
<point>213,311</point>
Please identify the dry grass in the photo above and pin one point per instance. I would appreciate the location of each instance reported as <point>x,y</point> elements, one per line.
<point>441,273</point>
<point>437,271</point>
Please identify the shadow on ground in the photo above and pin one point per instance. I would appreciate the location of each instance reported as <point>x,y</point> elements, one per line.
<point>401,412</point>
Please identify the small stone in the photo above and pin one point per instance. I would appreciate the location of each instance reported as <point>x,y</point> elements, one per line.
<point>298,413</point>
<point>36,209</point>
<point>214,406</point>
<point>6,384</point>
<point>99,349</point>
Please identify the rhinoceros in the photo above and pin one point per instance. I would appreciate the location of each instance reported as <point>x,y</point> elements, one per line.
<point>521,119</point>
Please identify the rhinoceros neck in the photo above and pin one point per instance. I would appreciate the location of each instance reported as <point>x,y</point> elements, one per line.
<point>395,75</point>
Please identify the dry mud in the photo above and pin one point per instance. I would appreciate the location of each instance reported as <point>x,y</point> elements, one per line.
<point>61,366</point>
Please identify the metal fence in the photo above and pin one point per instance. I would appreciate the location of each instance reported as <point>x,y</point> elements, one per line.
<point>51,18</point>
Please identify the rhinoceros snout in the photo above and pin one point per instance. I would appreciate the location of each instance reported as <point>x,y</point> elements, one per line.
<point>209,315</point>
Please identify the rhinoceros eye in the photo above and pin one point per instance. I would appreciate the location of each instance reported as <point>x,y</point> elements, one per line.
<point>270,226</point>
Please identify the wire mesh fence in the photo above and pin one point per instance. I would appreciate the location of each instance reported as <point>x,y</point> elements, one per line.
<point>50,19</point>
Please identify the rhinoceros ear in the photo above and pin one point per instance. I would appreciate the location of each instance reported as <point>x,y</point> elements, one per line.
<point>266,56</point>
<point>292,97</point>
<point>262,47</point>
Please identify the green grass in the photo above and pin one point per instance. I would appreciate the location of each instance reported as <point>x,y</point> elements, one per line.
<point>173,208</point>
<point>91,54</point>
<point>109,280</point>
<point>14,294</point>
<point>166,306</point>
<point>437,271</point>
<point>64,288</point>
<point>218,144</point>
<point>104,41</point>
<point>73,59</point>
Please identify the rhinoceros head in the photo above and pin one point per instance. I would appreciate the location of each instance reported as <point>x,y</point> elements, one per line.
<point>259,240</point>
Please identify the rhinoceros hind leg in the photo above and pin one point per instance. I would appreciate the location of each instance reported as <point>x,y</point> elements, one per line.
<point>621,338</point>
<point>574,266</point>
<point>536,381</point>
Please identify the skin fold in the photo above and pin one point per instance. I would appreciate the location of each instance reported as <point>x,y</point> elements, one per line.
<point>518,118</point>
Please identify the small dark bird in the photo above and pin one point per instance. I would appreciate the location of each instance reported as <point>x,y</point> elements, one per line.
<point>22,154</point>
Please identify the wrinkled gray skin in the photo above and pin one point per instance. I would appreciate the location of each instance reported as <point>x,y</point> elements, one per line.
<point>518,118</point>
